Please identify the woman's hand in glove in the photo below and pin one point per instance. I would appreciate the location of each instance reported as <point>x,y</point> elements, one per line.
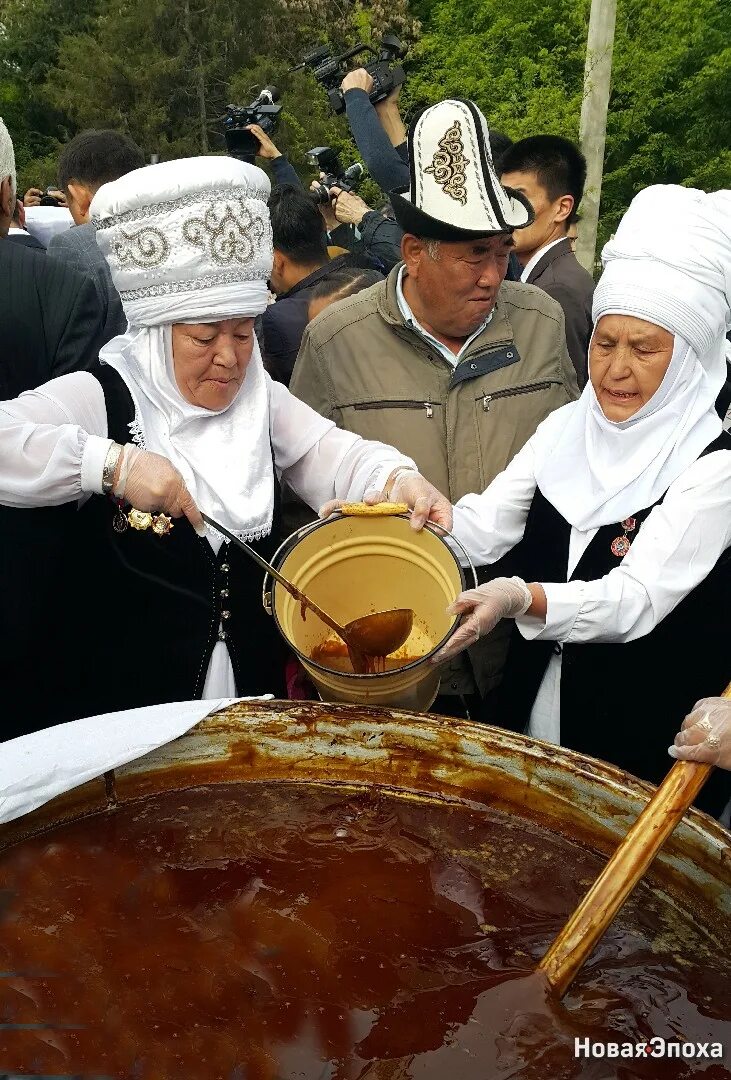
<point>482,609</point>
<point>424,500</point>
<point>150,482</point>
<point>706,733</point>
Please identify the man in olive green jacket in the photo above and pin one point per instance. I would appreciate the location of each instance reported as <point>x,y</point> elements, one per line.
<point>444,359</point>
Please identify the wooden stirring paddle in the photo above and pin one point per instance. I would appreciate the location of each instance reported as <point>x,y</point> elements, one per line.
<point>575,943</point>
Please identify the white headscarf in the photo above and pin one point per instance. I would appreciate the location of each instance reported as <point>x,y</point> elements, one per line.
<point>669,264</point>
<point>190,242</point>
<point>7,157</point>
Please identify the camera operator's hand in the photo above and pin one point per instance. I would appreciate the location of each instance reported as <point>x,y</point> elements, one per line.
<point>390,117</point>
<point>328,214</point>
<point>359,79</point>
<point>349,209</point>
<point>32,197</point>
<point>58,195</point>
<point>267,149</point>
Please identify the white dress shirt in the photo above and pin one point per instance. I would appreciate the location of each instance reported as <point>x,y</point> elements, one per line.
<point>678,545</point>
<point>452,358</point>
<point>535,259</point>
<point>53,444</point>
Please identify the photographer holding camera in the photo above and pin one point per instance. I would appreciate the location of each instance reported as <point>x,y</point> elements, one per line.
<point>378,130</point>
<point>282,169</point>
<point>46,213</point>
<point>352,224</point>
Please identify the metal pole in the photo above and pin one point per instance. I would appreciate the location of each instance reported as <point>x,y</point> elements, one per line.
<point>593,129</point>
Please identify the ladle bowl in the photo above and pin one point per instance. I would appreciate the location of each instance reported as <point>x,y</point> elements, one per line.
<point>380,633</point>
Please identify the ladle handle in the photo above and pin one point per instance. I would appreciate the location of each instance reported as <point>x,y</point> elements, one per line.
<point>269,569</point>
<point>629,863</point>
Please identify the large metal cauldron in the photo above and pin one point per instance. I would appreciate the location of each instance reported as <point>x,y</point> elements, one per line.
<point>286,966</point>
<point>351,745</point>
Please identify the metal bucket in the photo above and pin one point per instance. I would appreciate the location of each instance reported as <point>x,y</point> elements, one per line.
<point>351,566</point>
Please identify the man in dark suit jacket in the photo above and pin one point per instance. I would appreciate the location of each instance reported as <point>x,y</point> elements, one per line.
<point>51,320</point>
<point>91,159</point>
<point>50,324</point>
<point>18,232</point>
<point>551,173</point>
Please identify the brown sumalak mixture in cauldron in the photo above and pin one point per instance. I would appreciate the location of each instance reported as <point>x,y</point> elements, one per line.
<point>294,932</point>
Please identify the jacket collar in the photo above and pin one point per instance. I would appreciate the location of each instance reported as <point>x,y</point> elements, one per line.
<point>555,251</point>
<point>314,277</point>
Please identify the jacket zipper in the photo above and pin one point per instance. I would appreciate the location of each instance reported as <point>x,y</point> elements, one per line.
<point>425,405</point>
<point>529,388</point>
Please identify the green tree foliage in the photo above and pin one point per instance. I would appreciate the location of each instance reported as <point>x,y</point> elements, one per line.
<point>669,119</point>
<point>164,71</point>
<point>30,35</point>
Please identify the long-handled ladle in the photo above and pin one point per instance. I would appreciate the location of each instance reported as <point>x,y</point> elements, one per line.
<point>629,863</point>
<point>375,635</point>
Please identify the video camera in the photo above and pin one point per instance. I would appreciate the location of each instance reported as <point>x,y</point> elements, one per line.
<point>264,111</point>
<point>49,199</point>
<point>330,70</point>
<point>328,162</point>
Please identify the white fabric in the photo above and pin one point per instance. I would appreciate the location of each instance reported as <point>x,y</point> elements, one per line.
<point>7,155</point>
<point>36,768</point>
<point>187,236</point>
<point>47,436</point>
<point>45,222</point>
<point>533,262</point>
<point>679,544</point>
<point>449,145</point>
<point>409,318</point>
<point>223,455</point>
<point>670,264</point>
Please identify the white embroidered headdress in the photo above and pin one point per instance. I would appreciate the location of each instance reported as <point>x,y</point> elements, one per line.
<point>186,238</point>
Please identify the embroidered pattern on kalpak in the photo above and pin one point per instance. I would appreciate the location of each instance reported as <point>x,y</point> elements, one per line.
<point>449,164</point>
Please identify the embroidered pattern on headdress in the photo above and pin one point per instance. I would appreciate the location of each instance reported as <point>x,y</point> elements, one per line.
<point>449,164</point>
<point>146,248</point>
<point>227,237</point>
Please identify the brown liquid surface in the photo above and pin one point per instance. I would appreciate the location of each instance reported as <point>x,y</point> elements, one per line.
<point>275,931</point>
<point>334,655</point>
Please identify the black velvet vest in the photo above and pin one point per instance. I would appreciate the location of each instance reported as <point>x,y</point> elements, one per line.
<point>622,702</point>
<point>150,607</point>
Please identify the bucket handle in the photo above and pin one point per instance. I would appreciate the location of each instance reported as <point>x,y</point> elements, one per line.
<point>440,529</point>
<point>299,534</point>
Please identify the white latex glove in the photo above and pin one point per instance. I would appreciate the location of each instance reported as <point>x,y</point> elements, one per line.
<point>150,482</point>
<point>424,500</point>
<point>706,733</point>
<point>482,609</point>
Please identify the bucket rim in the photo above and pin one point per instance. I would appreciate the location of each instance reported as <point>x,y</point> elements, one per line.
<point>299,534</point>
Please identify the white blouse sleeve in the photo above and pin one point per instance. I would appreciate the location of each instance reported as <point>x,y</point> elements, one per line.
<point>492,523</point>
<point>318,460</point>
<point>677,547</point>
<point>53,442</point>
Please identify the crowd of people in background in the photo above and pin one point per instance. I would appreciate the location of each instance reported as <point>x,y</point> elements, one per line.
<point>424,347</point>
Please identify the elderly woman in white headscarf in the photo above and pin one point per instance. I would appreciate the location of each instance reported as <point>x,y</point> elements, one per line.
<point>180,417</point>
<point>619,508</point>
